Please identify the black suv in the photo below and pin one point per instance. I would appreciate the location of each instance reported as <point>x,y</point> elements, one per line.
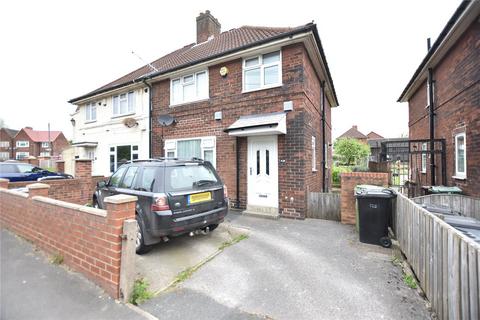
<point>174,197</point>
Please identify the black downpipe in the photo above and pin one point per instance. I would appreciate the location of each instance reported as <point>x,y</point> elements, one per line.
<point>324,160</point>
<point>237,150</point>
<point>150,107</point>
<point>432,125</point>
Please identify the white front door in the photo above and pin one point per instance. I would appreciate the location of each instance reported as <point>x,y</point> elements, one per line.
<point>262,171</point>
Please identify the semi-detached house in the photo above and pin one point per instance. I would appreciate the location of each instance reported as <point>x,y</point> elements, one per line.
<point>254,101</point>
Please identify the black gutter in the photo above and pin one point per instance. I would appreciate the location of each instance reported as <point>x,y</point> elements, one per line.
<point>436,45</point>
<point>150,111</point>
<point>308,27</point>
<point>324,160</point>
<point>431,107</point>
<point>237,147</point>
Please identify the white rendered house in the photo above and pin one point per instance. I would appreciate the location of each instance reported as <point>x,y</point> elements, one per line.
<point>112,127</point>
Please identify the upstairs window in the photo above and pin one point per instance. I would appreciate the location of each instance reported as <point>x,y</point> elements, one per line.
<point>424,157</point>
<point>46,144</point>
<point>263,71</point>
<point>460,156</point>
<point>91,112</point>
<point>124,104</point>
<point>23,144</point>
<point>4,144</point>
<point>189,88</point>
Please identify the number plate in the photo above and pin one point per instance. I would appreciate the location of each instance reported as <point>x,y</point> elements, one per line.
<point>199,197</point>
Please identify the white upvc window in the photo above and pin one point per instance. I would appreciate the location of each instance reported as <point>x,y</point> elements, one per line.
<point>91,112</point>
<point>45,154</point>
<point>326,154</point>
<point>123,104</point>
<point>21,155</point>
<point>4,144</point>
<point>45,144</point>
<point>314,154</point>
<point>262,72</point>
<point>424,158</point>
<point>119,155</point>
<point>189,88</point>
<point>201,147</point>
<point>460,156</point>
<point>23,144</point>
<point>4,155</point>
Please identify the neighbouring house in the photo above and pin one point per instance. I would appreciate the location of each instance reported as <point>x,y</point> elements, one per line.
<point>374,135</point>
<point>28,142</point>
<point>7,144</point>
<point>443,98</point>
<point>354,133</point>
<point>254,101</point>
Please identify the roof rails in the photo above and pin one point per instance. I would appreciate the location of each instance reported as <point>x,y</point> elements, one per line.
<point>160,159</point>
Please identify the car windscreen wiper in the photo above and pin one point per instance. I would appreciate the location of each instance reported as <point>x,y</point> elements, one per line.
<point>200,183</point>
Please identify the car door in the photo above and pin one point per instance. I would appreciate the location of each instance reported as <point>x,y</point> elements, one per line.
<point>27,172</point>
<point>146,184</point>
<point>113,183</point>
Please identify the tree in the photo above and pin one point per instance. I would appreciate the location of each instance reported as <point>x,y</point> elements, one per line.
<point>351,151</point>
<point>2,123</point>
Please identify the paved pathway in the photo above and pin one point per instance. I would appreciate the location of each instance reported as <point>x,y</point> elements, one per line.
<point>286,269</point>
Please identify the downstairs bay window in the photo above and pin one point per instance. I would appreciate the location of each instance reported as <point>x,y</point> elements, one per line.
<point>203,148</point>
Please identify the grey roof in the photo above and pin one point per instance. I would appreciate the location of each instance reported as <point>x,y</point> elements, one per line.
<point>11,132</point>
<point>257,120</point>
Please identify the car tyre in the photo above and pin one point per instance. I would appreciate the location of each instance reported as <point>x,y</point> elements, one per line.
<point>140,246</point>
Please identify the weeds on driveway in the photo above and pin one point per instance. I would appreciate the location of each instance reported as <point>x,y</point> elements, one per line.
<point>57,259</point>
<point>229,243</point>
<point>140,292</point>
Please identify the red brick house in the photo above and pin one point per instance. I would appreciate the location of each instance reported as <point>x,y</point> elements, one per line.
<point>28,142</point>
<point>255,101</point>
<point>7,143</point>
<point>354,133</point>
<point>443,97</point>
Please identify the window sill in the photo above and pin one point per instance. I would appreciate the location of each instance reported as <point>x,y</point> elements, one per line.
<point>123,115</point>
<point>263,88</point>
<point>188,102</point>
<point>314,170</point>
<point>464,178</point>
<point>90,121</point>
<point>423,172</point>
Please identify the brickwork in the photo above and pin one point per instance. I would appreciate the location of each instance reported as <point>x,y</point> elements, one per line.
<point>457,101</point>
<point>197,120</point>
<point>5,137</point>
<point>349,181</point>
<point>88,239</point>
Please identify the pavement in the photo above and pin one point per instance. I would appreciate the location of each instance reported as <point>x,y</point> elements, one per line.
<point>293,269</point>
<point>33,288</point>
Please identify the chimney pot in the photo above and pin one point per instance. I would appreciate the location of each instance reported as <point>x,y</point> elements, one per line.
<point>207,26</point>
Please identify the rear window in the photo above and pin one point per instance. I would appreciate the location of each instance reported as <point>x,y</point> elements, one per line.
<point>8,168</point>
<point>189,177</point>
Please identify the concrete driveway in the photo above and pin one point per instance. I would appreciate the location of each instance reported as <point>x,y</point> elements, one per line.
<point>286,269</point>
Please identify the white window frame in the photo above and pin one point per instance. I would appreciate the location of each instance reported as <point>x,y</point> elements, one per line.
<point>45,144</point>
<point>314,154</point>
<point>196,97</point>
<point>89,112</point>
<point>45,154</point>
<point>461,175</point>
<point>262,71</point>
<point>4,144</point>
<point>4,155</point>
<point>424,158</point>
<point>130,106</point>
<point>23,144</point>
<point>114,154</point>
<point>23,155</point>
<point>326,155</point>
<point>208,143</point>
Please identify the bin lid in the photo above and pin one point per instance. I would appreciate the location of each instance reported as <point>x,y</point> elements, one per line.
<point>376,192</point>
<point>444,189</point>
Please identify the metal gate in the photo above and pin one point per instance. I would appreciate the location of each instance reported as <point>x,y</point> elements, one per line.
<point>413,165</point>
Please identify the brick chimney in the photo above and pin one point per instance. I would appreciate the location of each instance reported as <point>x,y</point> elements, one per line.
<point>207,26</point>
<point>355,127</point>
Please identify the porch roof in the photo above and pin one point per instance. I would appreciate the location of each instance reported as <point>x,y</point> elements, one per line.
<point>259,124</point>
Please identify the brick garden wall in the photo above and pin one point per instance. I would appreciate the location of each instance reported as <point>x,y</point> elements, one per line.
<point>349,181</point>
<point>88,239</point>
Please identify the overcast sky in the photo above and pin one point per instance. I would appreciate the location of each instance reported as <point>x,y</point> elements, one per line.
<point>53,51</point>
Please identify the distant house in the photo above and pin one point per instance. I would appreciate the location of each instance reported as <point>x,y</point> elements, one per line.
<point>254,101</point>
<point>443,98</point>
<point>28,142</point>
<point>353,133</point>
<point>374,135</point>
<point>7,137</point>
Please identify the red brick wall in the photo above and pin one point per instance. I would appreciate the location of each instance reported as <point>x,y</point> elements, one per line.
<point>457,101</point>
<point>33,148</point>
<point>197,120</point>
<point>88,239</point>
<point>59,144</point>
<point>4,136</point>
<point>349,181</point>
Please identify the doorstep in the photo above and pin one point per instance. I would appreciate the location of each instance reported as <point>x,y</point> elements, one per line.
<point>262,212</point>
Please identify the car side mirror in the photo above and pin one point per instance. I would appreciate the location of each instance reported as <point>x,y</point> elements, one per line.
<point>101,184</point>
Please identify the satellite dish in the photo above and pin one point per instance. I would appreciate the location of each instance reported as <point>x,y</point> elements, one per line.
<point>166,120</point>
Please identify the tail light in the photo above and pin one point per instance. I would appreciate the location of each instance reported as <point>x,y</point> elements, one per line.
<point>225,191</point>
<point>160,204</point>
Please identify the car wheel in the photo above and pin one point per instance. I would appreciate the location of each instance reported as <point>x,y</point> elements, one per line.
<point>140,247</point>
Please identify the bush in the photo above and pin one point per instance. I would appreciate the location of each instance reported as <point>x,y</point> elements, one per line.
<point>336,171</point>
<point>350,151</point>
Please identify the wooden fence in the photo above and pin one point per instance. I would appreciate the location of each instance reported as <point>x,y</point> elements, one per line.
<point>446,262</point>
<point>468,206</point>
<point>323,206</point>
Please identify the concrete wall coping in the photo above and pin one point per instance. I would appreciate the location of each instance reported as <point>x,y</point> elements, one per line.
<point>120,198</point>
<point>60,161</point>
<point>4,180</point>
<point>73,206</point>
<point>38,186</point>
<point>15,193</point>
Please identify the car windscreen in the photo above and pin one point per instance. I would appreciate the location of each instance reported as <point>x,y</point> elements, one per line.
<point>189,176</point>
<point>25,168</point>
